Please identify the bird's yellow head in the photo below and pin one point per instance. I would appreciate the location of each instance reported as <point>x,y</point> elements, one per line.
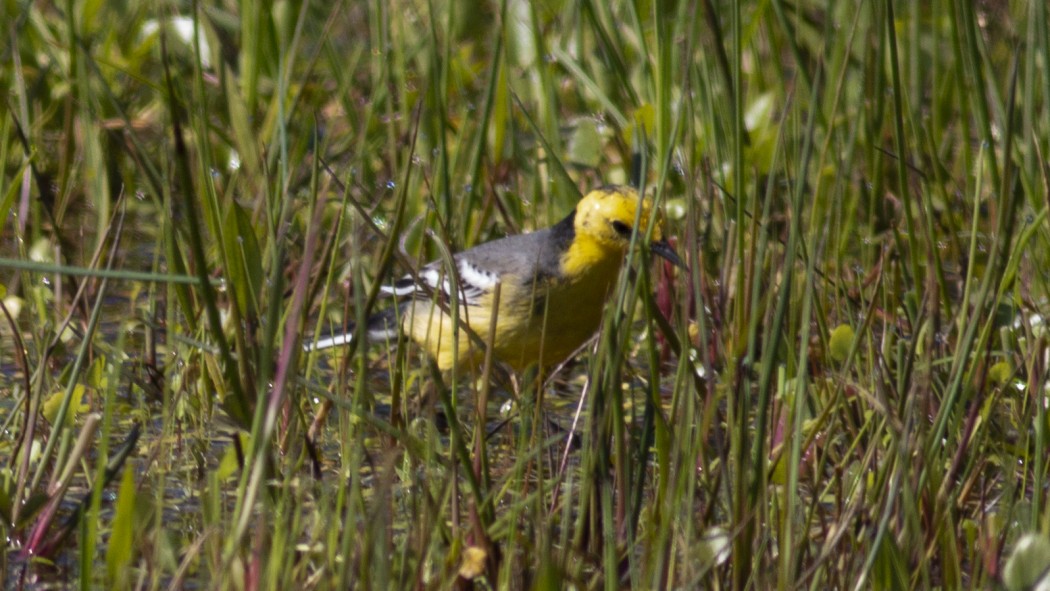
<point>607,215</point>
<point>606,218</point>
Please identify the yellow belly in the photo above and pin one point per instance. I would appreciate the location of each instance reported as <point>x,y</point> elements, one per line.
<point>543,323</point>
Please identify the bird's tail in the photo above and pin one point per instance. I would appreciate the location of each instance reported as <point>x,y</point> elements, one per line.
<point>379,327</point>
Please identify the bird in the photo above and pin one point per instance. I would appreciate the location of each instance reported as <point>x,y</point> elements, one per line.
<point>553,286</point>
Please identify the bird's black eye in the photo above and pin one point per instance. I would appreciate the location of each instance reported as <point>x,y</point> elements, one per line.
<point>621,228</point>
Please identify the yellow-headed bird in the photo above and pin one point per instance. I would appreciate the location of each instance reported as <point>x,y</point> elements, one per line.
<point>553,287</point>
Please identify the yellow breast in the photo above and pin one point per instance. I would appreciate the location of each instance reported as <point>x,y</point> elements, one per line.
<point>542,321</point>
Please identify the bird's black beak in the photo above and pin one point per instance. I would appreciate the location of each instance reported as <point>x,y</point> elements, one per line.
<point>662,249</point>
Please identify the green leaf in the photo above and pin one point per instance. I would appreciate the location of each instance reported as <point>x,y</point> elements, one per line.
<point>120,551</point>
<point>840,342</point>
<point>644,121</point>
<point>54,403</point>
<point>1000,373</point>
<point>585,145</point>
<point>242,245</point>
<point>229,464</point>
<point>1029,564</point>
<point>7,483</point>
